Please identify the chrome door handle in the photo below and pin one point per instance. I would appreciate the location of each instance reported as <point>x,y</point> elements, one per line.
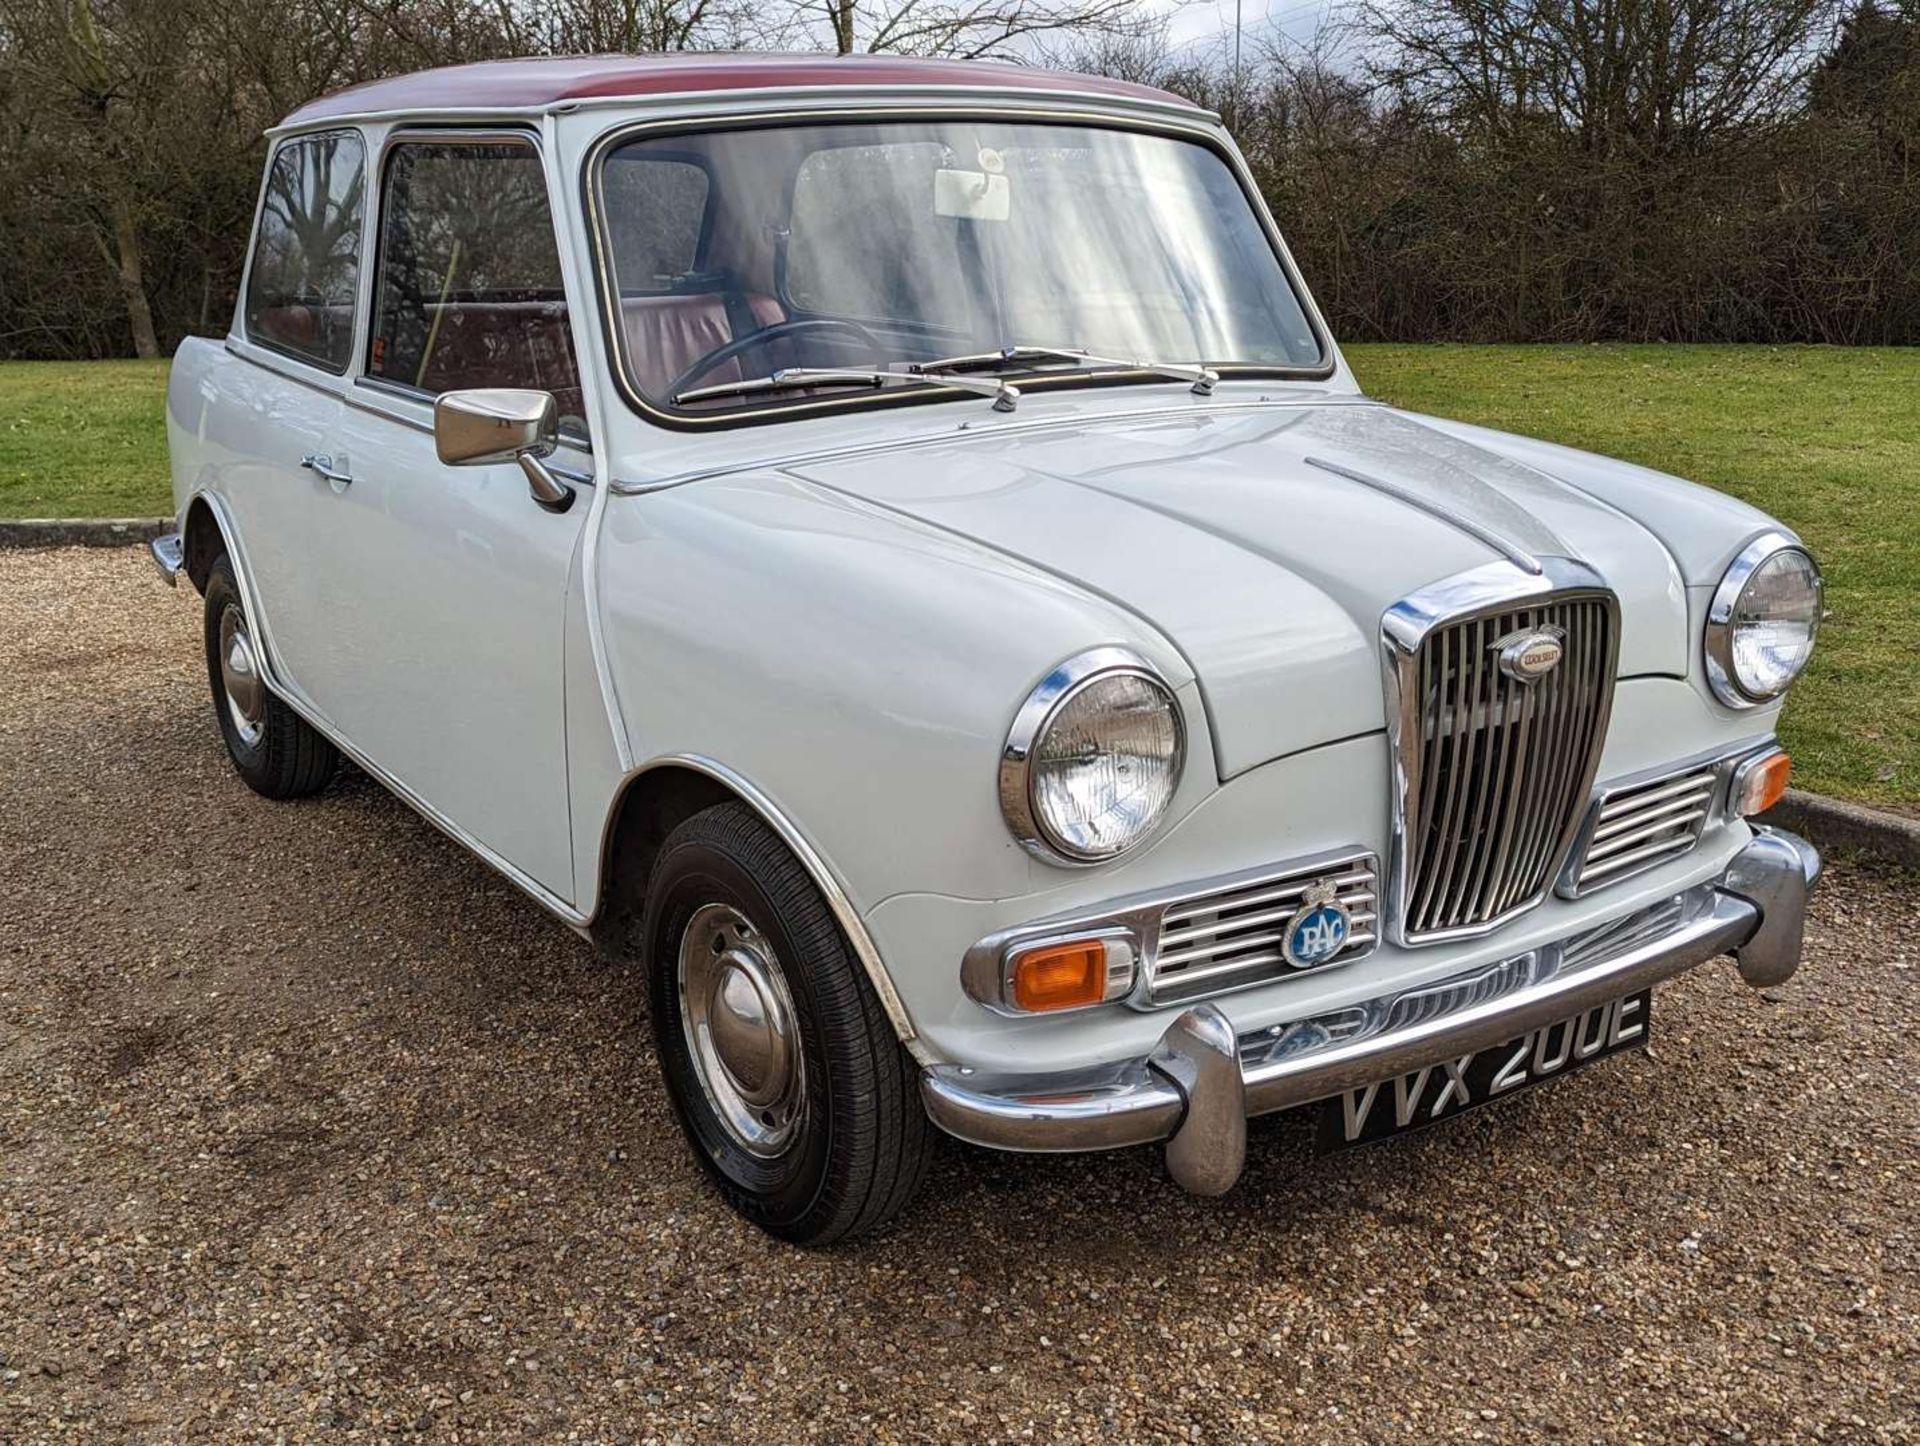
<point>322,463</point>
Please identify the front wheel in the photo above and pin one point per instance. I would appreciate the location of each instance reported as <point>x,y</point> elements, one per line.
<point>273,748</point>
<point>783,1069</point>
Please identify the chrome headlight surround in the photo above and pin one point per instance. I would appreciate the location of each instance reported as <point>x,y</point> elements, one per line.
<point>1724,622</point>
<point>1043,707</point>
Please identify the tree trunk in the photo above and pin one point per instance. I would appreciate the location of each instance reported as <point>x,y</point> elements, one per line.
<point>843,25</point>
<point>133,288</point>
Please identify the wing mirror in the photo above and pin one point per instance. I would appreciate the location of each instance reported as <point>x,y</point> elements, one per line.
<point>484,425</point>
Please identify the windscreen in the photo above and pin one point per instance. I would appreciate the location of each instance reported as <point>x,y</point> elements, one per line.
<point>885,246</point>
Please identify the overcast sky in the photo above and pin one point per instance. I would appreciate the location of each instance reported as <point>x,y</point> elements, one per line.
<point>1200,21</point>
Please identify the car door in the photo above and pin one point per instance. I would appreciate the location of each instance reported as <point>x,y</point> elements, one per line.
<point>446,587</point>
<point>279,414</point>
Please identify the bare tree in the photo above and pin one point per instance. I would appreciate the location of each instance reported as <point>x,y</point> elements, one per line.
<point>965,29</point>
<point>1644,75</point>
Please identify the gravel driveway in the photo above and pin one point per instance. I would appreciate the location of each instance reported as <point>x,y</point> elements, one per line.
<point>308,1123</point>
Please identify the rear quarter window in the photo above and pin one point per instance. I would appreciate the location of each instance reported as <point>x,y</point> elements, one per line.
<point>305,273</point>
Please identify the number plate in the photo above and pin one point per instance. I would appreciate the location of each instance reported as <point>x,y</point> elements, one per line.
<point>1393,1106</point>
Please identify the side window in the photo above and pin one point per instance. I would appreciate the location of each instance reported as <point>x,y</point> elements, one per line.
<point>467,291</point>
<point>656,216</point>
<point>306,259</point>
<point>866,240</point>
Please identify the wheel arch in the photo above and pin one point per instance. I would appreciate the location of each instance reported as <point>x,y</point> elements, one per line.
<point>202,540</point>
<point>663,793</point>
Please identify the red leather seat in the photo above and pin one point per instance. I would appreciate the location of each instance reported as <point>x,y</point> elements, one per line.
<point>668,334</point>
<point>498,344</point>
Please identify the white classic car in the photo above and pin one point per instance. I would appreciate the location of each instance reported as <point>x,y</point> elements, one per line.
<point>890,548</point>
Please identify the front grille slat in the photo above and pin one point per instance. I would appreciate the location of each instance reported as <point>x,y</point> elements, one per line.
<point>1177,939</point>
<point>1177,918</point>
<point>1541,718</point>
<point>1668,825</point>
<point>1496,769</point>
<point>1232,938</point>
<point>1636,801</point>
<point>1672,808</point>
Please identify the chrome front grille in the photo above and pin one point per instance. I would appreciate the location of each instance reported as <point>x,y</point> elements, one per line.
<point>1231,937</point>
<point>1494,771</point>
<point>1636,827</point>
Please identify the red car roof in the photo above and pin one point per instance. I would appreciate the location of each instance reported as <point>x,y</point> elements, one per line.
<point>515,84</point>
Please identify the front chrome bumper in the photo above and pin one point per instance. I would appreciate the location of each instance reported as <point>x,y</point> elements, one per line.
<point>1198,1086</point>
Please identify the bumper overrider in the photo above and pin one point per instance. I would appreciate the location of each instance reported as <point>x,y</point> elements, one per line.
<point>1198,1086</point>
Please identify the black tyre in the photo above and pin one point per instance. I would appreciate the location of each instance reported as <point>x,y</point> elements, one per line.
<point>273,748</point>
<point>784,1071</point>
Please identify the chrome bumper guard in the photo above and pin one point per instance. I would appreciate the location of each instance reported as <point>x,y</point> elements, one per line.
<point>168,555</point>
<point>1198,1086</point>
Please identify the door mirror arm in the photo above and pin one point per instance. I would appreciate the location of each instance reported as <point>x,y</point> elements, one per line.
<point>548,490</point>
<point>479,426</point>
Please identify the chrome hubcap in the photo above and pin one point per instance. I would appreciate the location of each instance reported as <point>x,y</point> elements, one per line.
<point>240,676</point>
<point>741,1029</point>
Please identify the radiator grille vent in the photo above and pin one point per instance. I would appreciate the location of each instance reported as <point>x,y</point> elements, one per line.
<point>1636,828</point>
<point>1231,938</point>
<point>1497,770</point>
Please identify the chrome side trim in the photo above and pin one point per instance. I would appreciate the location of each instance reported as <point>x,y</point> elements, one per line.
<point>1180,1089</point>
<point>823,876</point>
<point>1505,546</point>
<point>1048,697</point>
<point>169,555</point>
<point>1717,641</point>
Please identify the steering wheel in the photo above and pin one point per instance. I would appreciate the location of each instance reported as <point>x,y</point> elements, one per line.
<point>739,346</point>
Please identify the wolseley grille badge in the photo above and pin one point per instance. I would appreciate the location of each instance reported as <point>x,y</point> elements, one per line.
<point>1528,656</point>
<point>1319,930</point>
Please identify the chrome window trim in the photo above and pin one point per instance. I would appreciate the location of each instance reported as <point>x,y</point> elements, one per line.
<point>1717,639</point>
<point>1030,721</point>
<point>1495,587</point>
<point>1195,127</point>
<point>1726,763</point>
<point>1138,916</point>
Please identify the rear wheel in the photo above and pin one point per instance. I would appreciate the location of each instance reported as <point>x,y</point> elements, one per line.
<point>783,1068</point>
<point>273,748</point>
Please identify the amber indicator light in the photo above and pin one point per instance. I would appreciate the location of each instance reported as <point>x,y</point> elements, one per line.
<point>1764,785</point>
<point>1060,976</point>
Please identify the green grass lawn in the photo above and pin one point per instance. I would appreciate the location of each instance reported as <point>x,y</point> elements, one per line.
<point>83,439</point>
<point>1826,439</point>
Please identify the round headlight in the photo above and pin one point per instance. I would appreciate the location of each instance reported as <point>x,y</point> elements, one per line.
<point>1093,758</point>
<point>1761,625</point>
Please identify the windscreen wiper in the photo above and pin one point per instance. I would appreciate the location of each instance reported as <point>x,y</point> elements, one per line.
<point>1202,377</point>
<point>1005,395</point>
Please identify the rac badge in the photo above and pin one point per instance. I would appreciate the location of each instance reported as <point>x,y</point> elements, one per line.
<point>1319,931</point>
<point>1528,656</point>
